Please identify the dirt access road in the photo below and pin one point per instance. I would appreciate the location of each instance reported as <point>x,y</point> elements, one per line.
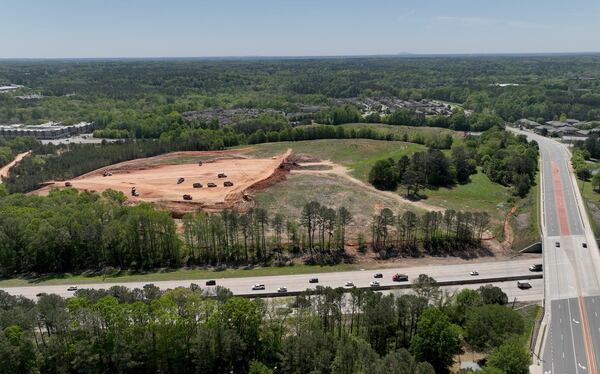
<point>4,170</point>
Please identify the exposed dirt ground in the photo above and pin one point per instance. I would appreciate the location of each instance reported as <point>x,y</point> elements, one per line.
<point>4,169</point>
<point>155,178</point>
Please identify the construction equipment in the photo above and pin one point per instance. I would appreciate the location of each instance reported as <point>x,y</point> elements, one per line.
<point>68,184</point>
<point>228,184</point>
<point>180,180</point>
<point>222,175</point>
<point>187,197</point>
<point>135,193</point>
<point>197,185</point>
<point>211,184</point>
<point>199,163</point>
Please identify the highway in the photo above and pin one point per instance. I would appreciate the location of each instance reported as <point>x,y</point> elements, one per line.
<point>360,278</point>
<point>571,343</point>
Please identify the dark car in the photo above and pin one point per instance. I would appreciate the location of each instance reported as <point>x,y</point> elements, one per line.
<point>584,245</point>
<point>211,282</point>
<point>313,280</point>
<point>523,285</point>
<point>557,244</point>
<point>378,275</point>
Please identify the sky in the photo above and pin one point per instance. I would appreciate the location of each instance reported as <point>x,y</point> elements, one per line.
<point>223,28</point>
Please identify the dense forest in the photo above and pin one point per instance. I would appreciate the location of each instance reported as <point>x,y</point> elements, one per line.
<point>188,330</point>
<point>505,158</point>
<point>70,231</point>
<point>145,98</point>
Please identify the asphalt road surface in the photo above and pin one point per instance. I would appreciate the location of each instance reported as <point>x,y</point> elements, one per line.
<point>243,286</point>
<point>571,263</point>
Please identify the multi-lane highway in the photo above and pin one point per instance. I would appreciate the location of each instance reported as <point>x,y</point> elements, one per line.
<point>571,343</point>
<point>488,271</point>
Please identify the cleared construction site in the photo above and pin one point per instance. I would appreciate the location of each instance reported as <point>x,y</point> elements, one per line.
<point>217,183</point>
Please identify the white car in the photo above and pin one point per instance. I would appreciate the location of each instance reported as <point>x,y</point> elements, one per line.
<point>257,287</point>
<point>282,289</point>
<point>474,273</point>
<point>349,284</point>
<point>375,284</point>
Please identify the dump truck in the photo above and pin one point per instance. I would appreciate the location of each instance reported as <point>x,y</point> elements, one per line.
<point>211,184</point>
<point>228,184</point>
<point>187,197</point>
<point>180,180</point>
<point>222,175</point>
<point>197,185</point>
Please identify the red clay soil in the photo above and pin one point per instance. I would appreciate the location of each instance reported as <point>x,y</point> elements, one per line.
<point>156,180</point>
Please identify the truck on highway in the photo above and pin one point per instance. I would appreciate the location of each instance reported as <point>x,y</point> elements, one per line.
<point>535,267</point>
<point>400,278</point>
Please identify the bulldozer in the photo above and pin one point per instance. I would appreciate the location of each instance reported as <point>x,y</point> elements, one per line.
<point>68,184</point>
<point>228,184</point>
<point>211,184</point>
<point>180,180</point>
<point>197,185</point>
<point>222,175</point>
<point>187,197</point>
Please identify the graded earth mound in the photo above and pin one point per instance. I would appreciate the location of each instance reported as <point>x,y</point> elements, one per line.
<point>159,179</point>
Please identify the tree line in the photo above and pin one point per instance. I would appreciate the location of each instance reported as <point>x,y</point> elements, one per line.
<point>199,331</point>
<point>71,231</point>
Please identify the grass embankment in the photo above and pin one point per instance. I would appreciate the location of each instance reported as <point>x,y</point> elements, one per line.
<point>181,274</point>
<point>525,220</point>
<point>530,313</point>
<point>592,202</point>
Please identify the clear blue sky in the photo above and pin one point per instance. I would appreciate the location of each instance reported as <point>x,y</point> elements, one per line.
<point>172,28</point>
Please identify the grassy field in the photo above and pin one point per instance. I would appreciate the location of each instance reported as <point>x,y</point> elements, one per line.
<point>409,130</point>
<point>358,155</point>
<point>481,194</point>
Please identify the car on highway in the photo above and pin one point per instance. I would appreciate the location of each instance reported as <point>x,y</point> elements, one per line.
<point>375,284</point>
<point>584,245</point>
<point>313,280</point>
<point>149,285</point>
<point>523,285</point>
<point>535,267</point>
<point>474,273</point>
<point>72,288</point>
<point>39,294</point>
<point>378,275</point>
<point>211,282</point>
<point>349,284</point>
<point>557,244</point>
<point>282,289</point>
<point>400,278</point>
<point>258,286</point>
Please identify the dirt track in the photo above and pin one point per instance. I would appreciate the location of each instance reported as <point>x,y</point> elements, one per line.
<point>4,170</point>
<point>156,180</point>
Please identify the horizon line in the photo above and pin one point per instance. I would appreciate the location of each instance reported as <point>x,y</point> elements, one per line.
<point>249,57</point>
